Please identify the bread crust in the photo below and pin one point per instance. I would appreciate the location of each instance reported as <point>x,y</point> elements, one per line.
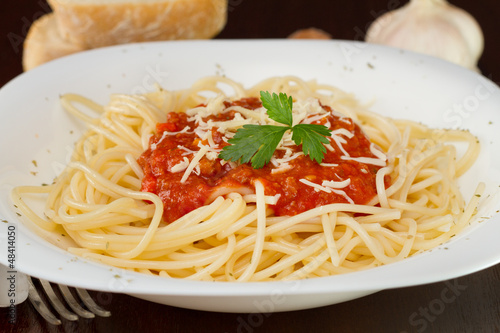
<point>43,43</point>
<point>97,25</point>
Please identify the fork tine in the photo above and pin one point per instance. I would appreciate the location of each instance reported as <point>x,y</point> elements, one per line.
<point>39,305</point>
<point>71,300</point>
<point>91,305</point>
<point>56,303</point>
<point>73,303</point>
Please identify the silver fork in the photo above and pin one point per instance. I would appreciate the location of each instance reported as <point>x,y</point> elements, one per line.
<point>78,311</point>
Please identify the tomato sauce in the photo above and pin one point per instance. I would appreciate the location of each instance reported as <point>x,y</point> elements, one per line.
<point>168,150</point>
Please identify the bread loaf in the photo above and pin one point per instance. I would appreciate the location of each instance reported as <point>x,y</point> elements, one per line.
<point>44,43</point>
<point>77,25</point>
<point>97,23</point>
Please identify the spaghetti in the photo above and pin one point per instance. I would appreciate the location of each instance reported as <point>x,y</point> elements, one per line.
<point>237,234</point>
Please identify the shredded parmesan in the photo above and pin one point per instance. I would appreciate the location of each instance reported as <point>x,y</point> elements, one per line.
<point>304,111</point>
<point>283,167</point>
<point>305,108</point>
<point>289,156</point>
<point>210,139</point>
<point>167,133</point>
<point>342,193</point>
<point>194,162</point>
<point>181,166</point>
<point>187,150</point>
<point>329,189</point>
<point>316,187</point>
<point>343,131</point>
<point>335,185</point>
<point>365,160</point>
<point>340,140</point>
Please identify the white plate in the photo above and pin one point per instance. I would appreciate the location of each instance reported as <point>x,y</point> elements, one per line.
<point>33,127</point>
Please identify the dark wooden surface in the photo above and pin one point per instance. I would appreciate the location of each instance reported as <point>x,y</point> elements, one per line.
<point>467,304</point>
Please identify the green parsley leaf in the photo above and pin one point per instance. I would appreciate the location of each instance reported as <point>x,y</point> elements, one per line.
<point>279,108</point>
<point>311,137</point>
<point>257,143</point>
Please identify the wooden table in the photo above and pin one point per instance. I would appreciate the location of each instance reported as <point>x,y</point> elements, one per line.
<point>466,304</point>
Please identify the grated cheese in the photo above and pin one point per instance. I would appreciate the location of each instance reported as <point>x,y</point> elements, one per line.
<point>316,187</point>
<point>336,185</point>
<point>329,188</point>
<point>187,150</point>
<point>304,111</point>
<point>365,160</point>
<point>181,166</point>
<point>194,163</point>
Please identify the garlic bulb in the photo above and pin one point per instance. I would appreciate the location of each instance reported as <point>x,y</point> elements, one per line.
<point>433,27</point>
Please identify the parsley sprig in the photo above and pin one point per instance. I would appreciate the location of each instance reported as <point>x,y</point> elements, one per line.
<point>257,143</point>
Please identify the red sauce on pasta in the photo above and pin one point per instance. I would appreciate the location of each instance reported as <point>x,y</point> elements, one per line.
<point>169,149</point>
